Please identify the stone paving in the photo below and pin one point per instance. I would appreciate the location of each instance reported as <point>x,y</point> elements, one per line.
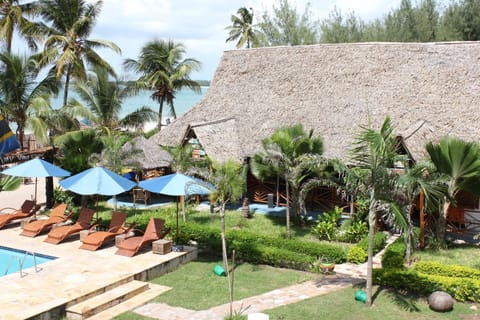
<point>345,275</point>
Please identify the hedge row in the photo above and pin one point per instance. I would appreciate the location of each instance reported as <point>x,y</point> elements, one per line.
<point>359,253</point>
<point>438,269</point>
<point>394,255</point>
<point>256,248</point>
<point>461,289</point>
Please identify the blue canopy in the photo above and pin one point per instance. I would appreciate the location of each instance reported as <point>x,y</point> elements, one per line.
<point>97,180</point>
<point>36,168</point>
<point>175,184</point>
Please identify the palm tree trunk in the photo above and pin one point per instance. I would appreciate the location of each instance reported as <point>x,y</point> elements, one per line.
<point>65,90</point>
<point>372,214</point>
<point>160,115</point>
<point>289,235</point>
<point>442,221</point>
<point>224,256</point>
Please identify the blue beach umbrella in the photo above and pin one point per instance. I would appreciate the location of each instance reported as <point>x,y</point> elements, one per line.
<point>97,181</point>
<point>36,168</point>
<point>176,184</point>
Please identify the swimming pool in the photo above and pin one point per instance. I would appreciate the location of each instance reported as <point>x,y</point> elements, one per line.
<point>10,258</point>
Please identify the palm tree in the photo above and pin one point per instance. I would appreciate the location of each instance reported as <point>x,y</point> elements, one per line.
<point>164,71</point>
<point>291,154</point>
<point>13,16</point>
<point>229,186</point>
<point>21,96</point>
<point>374,154</point>
<point>459,162</point>
<point>242,28</point>
<point>103,97</point>
<point>68,46</point>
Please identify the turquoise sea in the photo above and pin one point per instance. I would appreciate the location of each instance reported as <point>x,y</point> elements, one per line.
<point>183,102</point>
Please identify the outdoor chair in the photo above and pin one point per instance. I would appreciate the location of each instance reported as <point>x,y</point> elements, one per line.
<point>154,231</point>
<point>57,235</point>
<point>57,215</point>
<point>8,215</point>
<point>141,195</point>
<point>117,227</point>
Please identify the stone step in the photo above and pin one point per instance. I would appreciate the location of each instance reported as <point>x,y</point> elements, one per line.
<point>153,291</point>
<point>96,304</point>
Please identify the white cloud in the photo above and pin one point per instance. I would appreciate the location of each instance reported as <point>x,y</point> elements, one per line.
<point>199,25</point>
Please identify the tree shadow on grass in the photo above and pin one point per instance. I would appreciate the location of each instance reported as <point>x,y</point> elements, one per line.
<point>401,298</point>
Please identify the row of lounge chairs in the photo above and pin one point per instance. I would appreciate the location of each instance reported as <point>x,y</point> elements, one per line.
<point>95,239</point>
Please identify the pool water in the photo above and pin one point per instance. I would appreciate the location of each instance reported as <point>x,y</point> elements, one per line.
<point>9,258</point>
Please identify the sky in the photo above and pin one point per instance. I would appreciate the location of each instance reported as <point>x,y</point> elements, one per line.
<point>199,24</point>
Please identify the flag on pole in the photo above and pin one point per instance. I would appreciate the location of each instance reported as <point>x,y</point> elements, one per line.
<point>8,141</point>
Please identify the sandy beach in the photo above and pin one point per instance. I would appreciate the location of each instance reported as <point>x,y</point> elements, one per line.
<point>14,199</point>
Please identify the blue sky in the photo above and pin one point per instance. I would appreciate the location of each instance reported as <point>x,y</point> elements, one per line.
<point>199,24</point>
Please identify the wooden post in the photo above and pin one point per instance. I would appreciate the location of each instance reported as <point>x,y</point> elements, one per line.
<point>422,219</point>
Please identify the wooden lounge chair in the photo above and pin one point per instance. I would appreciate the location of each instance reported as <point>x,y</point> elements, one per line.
<point>155,230</point>
<point>57,235</point>
<point>141,195</point>
<point>27,209</point>
<point>57,215</point>
<point>117,227</point>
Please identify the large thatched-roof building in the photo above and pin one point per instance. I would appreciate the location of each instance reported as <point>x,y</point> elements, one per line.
<point>428,89</point>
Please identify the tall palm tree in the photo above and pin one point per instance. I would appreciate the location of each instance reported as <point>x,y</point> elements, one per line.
<point>13,17</point>
<point>242,28</point>
<point>103,97</point>
<point>375,152</point>
<point>290,153</point>
<point>164,71</point>
<point>68,46</point>
<point>459,162</point>
<point>20,93</point>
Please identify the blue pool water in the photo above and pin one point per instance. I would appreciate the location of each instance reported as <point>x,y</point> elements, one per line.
<point>27,260</point>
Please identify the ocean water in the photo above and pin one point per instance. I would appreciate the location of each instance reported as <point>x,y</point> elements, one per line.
<point>184,101</point>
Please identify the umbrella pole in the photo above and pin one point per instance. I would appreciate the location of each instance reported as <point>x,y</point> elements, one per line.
<point>176,236</point>
<point>35,197</point>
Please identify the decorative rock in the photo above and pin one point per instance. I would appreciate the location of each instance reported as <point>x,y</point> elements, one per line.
<point>440,301</point>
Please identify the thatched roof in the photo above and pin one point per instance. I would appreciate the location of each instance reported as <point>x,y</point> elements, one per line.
<point>147,153</point>
<point>428,89</point>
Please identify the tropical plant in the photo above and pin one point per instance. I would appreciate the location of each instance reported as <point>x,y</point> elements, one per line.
<point>103,97</point>
<point>229,186</point>
<point>68,46</point>
<point>164,71</point>
<point>76,147</point>
<point>13,18</point>
<point>373,156</point>
<point>9,183</point>
<point>459,162</point>
<point>291,154</point>
<point>327,227</point>
<point>20,93</point>
<point>242,28</point>
<point>287,27</point>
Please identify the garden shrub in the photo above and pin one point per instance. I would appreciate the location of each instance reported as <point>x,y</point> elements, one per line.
<point>357,255</point>
<point>327,227</point>
<point>355,231</point>
<point>379,241</point>
<point>436,268</point>
<point>460,288</point>
<point>276,251</point>
<point>394,255</point>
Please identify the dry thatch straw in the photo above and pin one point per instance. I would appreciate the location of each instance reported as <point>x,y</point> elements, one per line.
<point>428,89</point>
<point>147,154</point>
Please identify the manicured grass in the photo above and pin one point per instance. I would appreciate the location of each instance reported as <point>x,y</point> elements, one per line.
<point>464,255</point>
<point>132,316</point>
<point>195,286</point>
<point>387,305</point>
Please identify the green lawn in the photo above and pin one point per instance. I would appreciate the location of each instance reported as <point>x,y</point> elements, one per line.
<point>387,305</point>
<point>464,255</point>
<point>195,286</point>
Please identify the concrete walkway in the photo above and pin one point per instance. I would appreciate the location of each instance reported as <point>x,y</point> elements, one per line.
<point>346,275</point>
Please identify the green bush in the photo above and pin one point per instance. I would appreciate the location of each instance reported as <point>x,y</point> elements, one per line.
<point>379,241</point>
<point>461,289</point>
<point>394,255</point>
<point>357,255</point>
<point>327,227</point>
<point>268,250</point>
<point>436,268</point>
<point>354,231</point>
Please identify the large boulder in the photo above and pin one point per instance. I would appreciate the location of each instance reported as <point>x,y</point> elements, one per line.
<point>440,301</point>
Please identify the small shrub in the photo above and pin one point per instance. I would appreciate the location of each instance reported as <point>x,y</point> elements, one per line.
<point>327,227</point>
<point>357,255</point>
<point>394,256</point>
<point>355,231</point>
<point>379,241</point>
